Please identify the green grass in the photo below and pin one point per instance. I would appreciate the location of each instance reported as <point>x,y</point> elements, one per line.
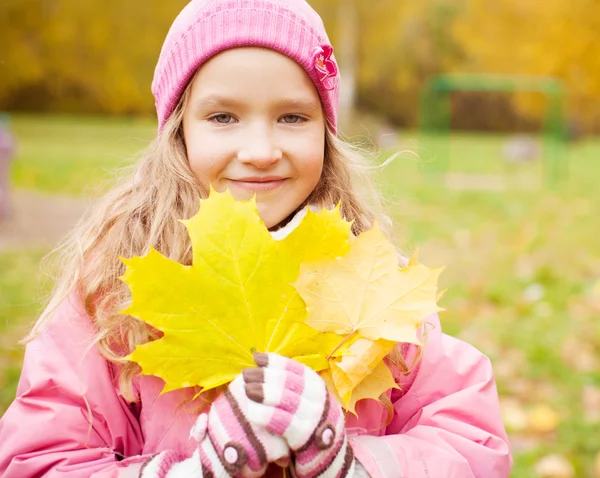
<point>74,155</point>
<point>497,246</point>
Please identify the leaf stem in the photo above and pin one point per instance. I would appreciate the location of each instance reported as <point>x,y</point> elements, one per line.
<point>338,346</point>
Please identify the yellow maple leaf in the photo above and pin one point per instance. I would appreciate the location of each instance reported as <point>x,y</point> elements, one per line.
<point>367,298</point>
<point>365,292</point>
<point>361,358</point>
<point>235,298</point>
<point>373,385</point>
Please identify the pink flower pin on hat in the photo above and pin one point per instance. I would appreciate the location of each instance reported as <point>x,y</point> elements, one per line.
<point>325,66</point>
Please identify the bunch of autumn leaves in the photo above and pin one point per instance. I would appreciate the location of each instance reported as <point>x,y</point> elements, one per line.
<point>321,296</point>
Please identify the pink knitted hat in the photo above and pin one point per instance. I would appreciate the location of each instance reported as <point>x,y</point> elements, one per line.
<point>207,27</point>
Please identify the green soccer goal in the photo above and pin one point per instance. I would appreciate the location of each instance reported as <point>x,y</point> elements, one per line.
<point>435,115</point>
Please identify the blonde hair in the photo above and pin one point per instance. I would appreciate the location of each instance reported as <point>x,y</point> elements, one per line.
<point>144,211</point>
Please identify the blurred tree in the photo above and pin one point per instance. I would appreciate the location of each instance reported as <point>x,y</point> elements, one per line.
<point>99,56</point>
<point>529,37</point>
<point>81,56</point>
<point>347,56</point>
<point>399,44</point>
<point>19,46</point>
<point>87,56</point>
<point>403,43</point>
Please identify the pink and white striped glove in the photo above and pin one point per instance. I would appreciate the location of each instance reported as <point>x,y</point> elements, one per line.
<point>292,401</point>
<point>228,444</point>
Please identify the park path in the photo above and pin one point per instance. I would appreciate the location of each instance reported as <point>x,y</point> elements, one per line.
<point>39,220</point>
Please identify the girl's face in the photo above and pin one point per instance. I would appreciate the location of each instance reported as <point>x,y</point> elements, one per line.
<point>254,124</point>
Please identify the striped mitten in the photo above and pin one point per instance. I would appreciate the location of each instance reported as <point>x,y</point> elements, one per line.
<point>292,401</point>
<point>228,444</point>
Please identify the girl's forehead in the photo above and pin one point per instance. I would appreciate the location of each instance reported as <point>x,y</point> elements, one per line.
<point>239,74</point>
<point>250,59</point>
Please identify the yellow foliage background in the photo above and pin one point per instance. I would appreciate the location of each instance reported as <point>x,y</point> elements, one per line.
<point>99,56</point>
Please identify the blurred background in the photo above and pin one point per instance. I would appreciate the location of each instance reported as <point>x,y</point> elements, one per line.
<point>495,106</point>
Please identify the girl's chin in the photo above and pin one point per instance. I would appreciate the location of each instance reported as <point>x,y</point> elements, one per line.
<point>272,216</point>
<point>270,219</point>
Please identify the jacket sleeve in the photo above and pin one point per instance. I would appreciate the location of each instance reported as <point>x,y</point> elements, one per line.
<point>446,422</point>
<point>67,418</point>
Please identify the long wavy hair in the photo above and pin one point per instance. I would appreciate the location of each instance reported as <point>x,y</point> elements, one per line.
<point>144,210</point>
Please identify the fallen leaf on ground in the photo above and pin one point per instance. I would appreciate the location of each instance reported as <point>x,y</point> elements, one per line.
<point>514,415</point>
<point>590,399</point>
<point>543,419</point>
<point>554,466</point>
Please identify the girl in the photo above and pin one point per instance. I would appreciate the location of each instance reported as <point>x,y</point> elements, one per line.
<point>246,94</point>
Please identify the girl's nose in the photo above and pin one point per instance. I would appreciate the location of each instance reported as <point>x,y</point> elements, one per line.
<point>260,150</point>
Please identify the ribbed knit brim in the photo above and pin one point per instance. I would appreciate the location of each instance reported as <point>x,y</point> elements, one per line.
<point>207,27</point>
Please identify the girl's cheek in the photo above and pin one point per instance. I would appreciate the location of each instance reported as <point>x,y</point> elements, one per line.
<point>203,165</point>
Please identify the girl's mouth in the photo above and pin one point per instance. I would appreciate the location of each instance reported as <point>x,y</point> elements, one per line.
<point>258,184</point>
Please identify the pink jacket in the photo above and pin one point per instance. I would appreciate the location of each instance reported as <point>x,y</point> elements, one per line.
<point>68,419</point>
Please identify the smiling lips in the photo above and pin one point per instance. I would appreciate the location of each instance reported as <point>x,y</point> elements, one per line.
<point>267,183</point>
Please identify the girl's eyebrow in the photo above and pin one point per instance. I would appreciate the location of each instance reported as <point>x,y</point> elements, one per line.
<point>218,101</point>
<point>214,101</point>
<point>303,104</point>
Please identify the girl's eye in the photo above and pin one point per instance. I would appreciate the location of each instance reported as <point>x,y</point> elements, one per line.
<point>292,119</point>
<point>222,118</point>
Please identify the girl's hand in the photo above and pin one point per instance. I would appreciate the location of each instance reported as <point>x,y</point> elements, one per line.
<point>228,444</point>
<point>292,401</point>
